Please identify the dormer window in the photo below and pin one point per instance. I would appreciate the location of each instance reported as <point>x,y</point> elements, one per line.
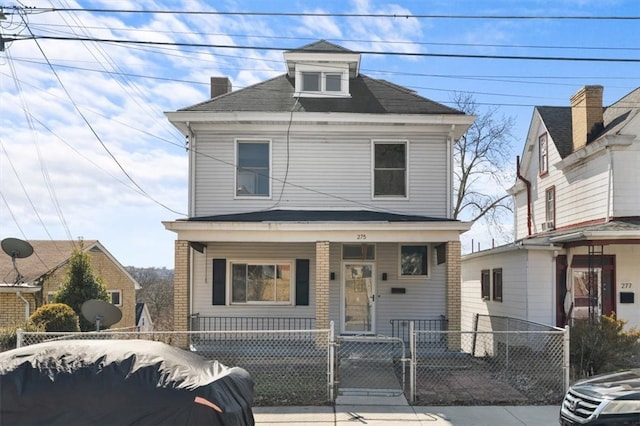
<point>321,82</point>
<point>318,82</point>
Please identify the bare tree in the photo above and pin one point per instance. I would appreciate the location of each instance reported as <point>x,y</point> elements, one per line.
<point>156,293</point>
<point>482,169</point>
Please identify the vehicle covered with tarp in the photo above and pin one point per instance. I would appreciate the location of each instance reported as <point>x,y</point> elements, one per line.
<point>120,382</point>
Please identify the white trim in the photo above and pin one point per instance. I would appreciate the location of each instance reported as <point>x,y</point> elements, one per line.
<point>404,142</point>
<point>238,141</point>
<point>260,261</point>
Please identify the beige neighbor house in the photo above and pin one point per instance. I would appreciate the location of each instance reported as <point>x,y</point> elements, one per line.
<point>577,224</point>
<point>319,195</point>
<point>45,270</point>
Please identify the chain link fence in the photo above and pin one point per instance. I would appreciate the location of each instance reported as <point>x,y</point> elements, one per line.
<point>490,367</point>
<point>312,367</point>
<point>288,367</point>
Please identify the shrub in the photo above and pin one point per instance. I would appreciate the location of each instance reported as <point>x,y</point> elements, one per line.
<point>55,317</point>
<point>9,336</point>
<point>602,346</point>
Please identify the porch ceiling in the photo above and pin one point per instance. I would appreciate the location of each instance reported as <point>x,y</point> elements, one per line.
<point>311,226</point>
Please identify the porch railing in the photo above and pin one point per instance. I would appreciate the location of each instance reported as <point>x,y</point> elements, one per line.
<point>400,327</point>
<point>209,323</point>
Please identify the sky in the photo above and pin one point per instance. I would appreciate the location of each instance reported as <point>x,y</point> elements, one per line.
<point>86,151</point>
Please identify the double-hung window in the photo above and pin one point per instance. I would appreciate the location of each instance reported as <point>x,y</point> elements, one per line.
<point>115,297</point>
<point>261,282</point>
<point>485,285</point>
<point>497,285</point>
<point>253,159</point>
<point>550,207</point>
<point>389,169</point>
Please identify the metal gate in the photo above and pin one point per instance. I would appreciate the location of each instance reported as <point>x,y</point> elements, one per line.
<point>370,365</point>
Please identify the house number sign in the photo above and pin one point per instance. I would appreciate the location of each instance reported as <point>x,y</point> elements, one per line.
<point>626,285</point>
<point>361,236</point>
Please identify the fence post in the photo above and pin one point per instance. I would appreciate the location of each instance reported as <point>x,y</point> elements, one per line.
<point>19,337</point>
<point>412,362</point>
<point>567,358</point>
<point>332,354</point>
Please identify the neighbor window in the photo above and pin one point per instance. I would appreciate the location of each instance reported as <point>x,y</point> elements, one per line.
<point>485,284</point>
<point>115,297</point>
<point>550,207</point>
<point>253,160</point>
<point>497,285</point>
<point>389,169</point>
<point>413,261</point>
<point>543,147</point>
<point>261,283</point>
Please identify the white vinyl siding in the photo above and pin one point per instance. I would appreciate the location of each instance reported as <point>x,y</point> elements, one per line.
<point>342,179</point>
<point>626,180</point>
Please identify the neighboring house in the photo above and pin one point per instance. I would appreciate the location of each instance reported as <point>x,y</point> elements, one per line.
<point>577,239</point>
<point>46,269</point>
<point>319,195</point>
<point>143,318</point>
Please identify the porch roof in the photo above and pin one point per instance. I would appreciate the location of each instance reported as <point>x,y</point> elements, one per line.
<point>318,225</point>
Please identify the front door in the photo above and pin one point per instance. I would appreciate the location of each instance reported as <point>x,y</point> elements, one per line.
<point>359,296</point>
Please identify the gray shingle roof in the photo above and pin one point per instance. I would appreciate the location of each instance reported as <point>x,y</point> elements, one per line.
<point>317,216</point>
<point>368,96</point>
<point>322,46</point>
<point>617,115</point>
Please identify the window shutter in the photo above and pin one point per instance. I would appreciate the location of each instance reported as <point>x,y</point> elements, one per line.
<point>219,281</point>
<point>302,282</point>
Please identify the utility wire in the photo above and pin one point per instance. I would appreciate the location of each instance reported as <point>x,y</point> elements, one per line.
<point>93,131</point>
<point>336,15</point>
<point>370,52</point>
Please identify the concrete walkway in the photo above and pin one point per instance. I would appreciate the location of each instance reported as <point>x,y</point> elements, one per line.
<point>380,411</point>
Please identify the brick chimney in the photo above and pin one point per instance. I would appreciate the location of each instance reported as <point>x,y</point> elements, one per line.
<point>220,86</point>
<point>586,115</point>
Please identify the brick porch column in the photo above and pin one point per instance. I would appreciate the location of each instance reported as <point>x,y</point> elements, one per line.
<point>322,284</point>
<point>453,292</point>
<point>181,294</point>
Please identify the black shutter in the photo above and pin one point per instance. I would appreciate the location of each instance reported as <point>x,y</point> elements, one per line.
<point>219,281</point>
<point>302,282</point>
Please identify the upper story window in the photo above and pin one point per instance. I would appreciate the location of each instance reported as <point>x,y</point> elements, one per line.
<point>253,159</point>
<point>550,207</point>
<point>543,149</point>
<point>390,169</point>
<point>115,297</point>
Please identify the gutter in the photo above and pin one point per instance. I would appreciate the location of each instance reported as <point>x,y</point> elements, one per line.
<point>528,185</point>
<point>26,305</point>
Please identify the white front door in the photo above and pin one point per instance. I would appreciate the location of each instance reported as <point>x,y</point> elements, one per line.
<point>359,296</point>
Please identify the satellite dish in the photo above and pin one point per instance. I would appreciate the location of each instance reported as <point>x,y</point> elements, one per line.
<point>17,249</point>
<point>100,312</point>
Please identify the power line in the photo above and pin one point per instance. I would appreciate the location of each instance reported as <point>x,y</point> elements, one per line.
<point>335,15</point>
<point>369,52</point>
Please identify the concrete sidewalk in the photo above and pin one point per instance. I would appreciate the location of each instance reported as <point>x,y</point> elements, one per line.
<point>386,415</point>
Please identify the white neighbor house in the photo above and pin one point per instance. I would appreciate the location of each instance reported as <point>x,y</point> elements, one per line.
<point>319,195</point>
<point>577,201</point>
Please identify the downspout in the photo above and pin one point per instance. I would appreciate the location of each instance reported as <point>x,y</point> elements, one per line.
<point>26,305</point>
<point>609,184</point>
<point>528,185</point>
<point>192,166</point>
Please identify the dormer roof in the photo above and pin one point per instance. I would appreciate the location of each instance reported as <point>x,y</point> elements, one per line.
<point>322,52</point>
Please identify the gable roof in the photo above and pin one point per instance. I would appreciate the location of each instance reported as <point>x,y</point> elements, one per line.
<point>557,120</point>
<point>368,96</point>
<point>47,257</point>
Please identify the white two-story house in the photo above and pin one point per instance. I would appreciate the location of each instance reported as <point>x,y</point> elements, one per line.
<point>318,195</point>
<point>577,221</point>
